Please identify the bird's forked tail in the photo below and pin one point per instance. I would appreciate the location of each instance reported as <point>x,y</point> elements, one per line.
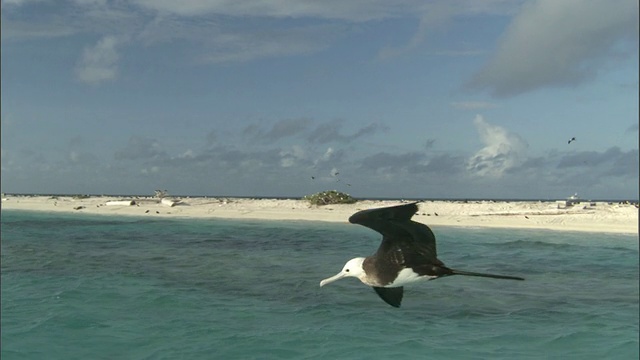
<point>468,273</point>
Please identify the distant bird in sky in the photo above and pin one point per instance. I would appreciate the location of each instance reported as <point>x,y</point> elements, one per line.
<point>571,140</point>
<point>407,254</point>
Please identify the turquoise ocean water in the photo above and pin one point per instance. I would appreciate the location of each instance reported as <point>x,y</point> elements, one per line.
<point>88,287</point>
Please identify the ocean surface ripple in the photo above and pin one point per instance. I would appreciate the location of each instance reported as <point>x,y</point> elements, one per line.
<point>78,286</point>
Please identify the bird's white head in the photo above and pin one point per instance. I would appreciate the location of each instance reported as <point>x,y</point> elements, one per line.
<point>353,268</point>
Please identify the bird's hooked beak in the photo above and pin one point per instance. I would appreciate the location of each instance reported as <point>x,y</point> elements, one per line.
<point>335,277</point>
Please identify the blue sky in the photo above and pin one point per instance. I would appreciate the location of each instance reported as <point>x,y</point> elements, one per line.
<point>402,99</point>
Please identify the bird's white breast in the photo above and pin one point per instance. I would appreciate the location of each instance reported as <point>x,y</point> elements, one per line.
<point>408,276</point>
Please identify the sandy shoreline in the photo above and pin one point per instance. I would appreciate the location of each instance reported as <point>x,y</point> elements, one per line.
<point>585,216</point>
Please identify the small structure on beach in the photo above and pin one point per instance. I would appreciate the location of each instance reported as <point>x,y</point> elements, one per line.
<point>570,201</point>
<point>169,202</point>
<point>120,203</point>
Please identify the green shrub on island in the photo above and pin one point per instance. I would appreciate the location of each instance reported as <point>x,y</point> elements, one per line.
<point>329,198</point>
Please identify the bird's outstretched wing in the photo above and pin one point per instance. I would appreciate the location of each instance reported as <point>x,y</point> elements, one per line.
<point>399,232</point>
<point>422,243</point>
<point>383,220</point>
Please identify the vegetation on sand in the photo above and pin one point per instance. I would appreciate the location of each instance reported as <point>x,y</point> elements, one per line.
<point>329,197</point>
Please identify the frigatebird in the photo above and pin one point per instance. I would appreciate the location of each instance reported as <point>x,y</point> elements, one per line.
<point>407,254</point>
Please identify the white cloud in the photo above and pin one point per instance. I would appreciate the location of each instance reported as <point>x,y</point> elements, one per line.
<point>141,148</point>
<point>328,9</point>
<point>240,46</point>
<point>290,157</point>
<point>502,151</point>
<point>151,170</point>
<point>287,162</point>
<point>473,105</point>
<point>100,62</point>
<point>222,44</point>
<point>435,15</point>
<point>434,18</point>
<point>189,154</point>
<point>236,31</point>
<point>559,43</point>
<point>296,151</point>
<point>13,2</point>
<point>352,10</point>
<point>74,156</point>
<point>91,2</point>
<point>327,155</point>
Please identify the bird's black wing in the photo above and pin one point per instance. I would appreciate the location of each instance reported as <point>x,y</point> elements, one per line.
<point>421,243</point>
<point>386,221</point>
<point>392,296</point>
<point>383,220</point>
<point>399,232</point>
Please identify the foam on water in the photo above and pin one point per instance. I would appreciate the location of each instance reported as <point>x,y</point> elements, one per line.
<point>76,286</point>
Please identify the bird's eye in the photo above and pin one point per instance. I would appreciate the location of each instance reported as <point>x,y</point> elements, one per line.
<point>346,270</point>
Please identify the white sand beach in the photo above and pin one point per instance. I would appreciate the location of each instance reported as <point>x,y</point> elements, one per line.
<point>583,216</point>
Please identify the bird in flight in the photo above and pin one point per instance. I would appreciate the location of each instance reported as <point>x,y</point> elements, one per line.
<point>407,254</point>
<point>571,140</point>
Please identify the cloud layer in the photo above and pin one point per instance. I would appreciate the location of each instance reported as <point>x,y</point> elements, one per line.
<point>559,43</point>
<point>278,159</point>
<point>224,97</point>
<point>548,43</point>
